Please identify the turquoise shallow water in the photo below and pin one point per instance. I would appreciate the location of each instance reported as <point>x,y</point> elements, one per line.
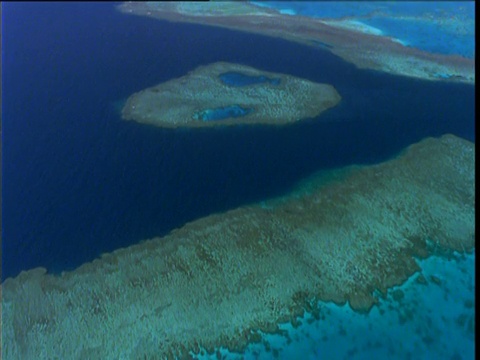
<point>432,320</point>
<point>450,36</point>
<point>439,27</point>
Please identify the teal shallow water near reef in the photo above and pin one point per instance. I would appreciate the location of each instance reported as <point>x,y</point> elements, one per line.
<point>450,36</point>
<point>238,80</point>
<point>431,319</point>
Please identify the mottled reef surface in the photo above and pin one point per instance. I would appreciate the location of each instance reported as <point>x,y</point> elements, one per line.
<point>364,49</point>
<point>189,100</point>
<point>345,238</point>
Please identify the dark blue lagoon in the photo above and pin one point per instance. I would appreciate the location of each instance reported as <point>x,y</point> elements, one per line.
<point>234,111</point>
<point>238,79</point>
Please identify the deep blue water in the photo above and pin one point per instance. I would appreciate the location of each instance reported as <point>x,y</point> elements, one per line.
<point>78,181</point>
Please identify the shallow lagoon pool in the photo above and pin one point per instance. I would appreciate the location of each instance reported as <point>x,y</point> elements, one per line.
<point>222,113</point>
<point>238,79</point>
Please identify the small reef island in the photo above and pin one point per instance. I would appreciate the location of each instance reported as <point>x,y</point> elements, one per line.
<point>218,280</point>
<point>350,40</point>
<point>227,94</point>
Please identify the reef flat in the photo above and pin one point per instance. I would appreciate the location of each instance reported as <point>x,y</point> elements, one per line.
<point>226,94</point>
<point>211,282</point>
<point>352,42</point>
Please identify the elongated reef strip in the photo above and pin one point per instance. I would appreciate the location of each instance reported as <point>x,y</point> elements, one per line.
<point>213,280</point>
<point>365,50</point>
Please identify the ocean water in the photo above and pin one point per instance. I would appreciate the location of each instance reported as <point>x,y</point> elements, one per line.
<point>78,181</point>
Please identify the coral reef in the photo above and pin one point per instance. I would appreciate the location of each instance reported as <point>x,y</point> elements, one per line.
<point>214,280</point>
<point>352,42</point>
<point>207,97</point>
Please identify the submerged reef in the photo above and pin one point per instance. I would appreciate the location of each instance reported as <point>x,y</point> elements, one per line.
<point>353,41</point>
<point>226,94</point>
<point>210,283</point>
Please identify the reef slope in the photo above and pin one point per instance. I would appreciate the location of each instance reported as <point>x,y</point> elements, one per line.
<point>210,282</point>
